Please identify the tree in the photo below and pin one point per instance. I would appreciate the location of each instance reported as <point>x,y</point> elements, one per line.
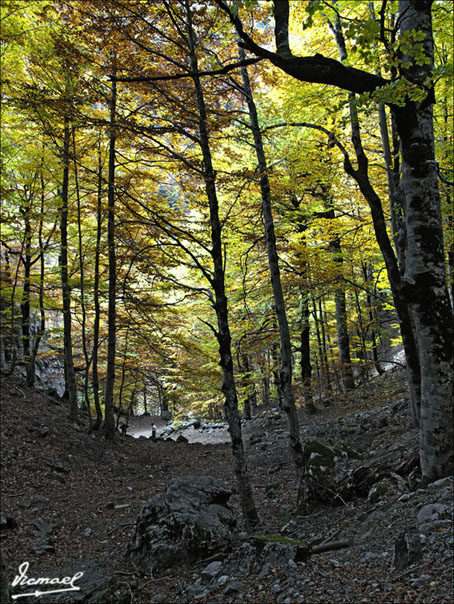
<point>423,284</point>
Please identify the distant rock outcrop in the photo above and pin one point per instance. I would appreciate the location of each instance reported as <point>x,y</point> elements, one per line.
<point>190,521</point>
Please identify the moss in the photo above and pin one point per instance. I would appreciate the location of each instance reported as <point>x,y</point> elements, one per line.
<point>377,491</point>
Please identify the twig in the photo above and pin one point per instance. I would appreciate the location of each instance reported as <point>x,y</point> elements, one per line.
<point>117,526</point>
<point>330,545</point>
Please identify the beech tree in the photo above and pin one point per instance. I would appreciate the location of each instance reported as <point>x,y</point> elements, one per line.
<point>422,281</point>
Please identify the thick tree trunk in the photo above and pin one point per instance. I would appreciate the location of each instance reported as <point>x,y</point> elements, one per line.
<point>288,400</point>
<point>424,286</point>
<point>109,420</point>
<point>70,376</point>
<point>220,302</point>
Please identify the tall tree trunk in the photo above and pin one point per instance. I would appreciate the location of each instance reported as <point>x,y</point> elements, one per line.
<point>424,286</point>
<point>403,309</point>
<point>42,313</point>
<point>343,340</point>
<point>70,376</point>
<point>95,377</point>
<point>220,303</point>
<point>109,420</point>
<point>26,258</point>
<point>305,350</point>
<point>288,399</point>
<point>82,284</point>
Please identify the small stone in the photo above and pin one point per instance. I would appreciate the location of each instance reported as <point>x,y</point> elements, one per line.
<point>368,556</point>
<point>43,430</point>
<point>264,570</point>
<point>87,532</point>
<point>210,571</point>
<point>277,588</point>
<point>233,588</point>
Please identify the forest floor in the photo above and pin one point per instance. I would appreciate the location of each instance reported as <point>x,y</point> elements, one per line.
<point>69,497</point>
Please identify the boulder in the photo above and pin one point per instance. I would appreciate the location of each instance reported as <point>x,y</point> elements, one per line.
<point>190,521</point>
<point>407,550</point>
<point>324,468</point>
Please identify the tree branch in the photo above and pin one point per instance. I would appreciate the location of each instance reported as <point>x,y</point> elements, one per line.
<point>316,69</point>
<point>189,74</point>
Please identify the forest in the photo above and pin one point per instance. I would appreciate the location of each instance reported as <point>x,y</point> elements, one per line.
<point>224,212</point>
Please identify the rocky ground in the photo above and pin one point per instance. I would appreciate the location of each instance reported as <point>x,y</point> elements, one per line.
<point>70,502</point>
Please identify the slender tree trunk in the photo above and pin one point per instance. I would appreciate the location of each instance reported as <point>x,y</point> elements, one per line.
<point>25,301</point>
<point>324,341</point>
<point>305,350</point>
<point>95,377</point>
<point>343,340</point>
<point>220,303</point>
<point>70,376</point>
<point>288,400</point>
<point>42,313</point>
<point>265,384</point>
<point>277,374</point>
<point>403,309</point>
<point>109,420</point>
<point>82,284</point>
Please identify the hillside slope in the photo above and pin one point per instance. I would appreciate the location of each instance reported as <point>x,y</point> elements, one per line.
<point>69,498</point>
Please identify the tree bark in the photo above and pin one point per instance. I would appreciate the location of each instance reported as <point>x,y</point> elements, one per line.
<point>70,376</point>
<point>424,286</point>
<point>288,400</point>
<point>95,377</point>
<point>26,259</point>
<point>109,420</point>
<point>220,303</point>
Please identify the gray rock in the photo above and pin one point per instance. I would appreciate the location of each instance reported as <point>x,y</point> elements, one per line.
<point>407,550</point>
<point>190,521</point>
<point>428,527</point>
<point>441,484</point>
<point>233,587</point>
<point>210,571</point>
<point>324,467</point>
<point>430,512</point>
<point>278,554</point>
